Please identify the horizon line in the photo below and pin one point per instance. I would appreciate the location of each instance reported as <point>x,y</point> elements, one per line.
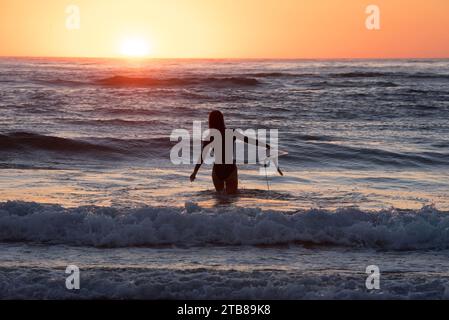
<point>222,58</point>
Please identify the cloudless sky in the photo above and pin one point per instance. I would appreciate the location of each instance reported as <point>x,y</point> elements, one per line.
<point>227,28</point>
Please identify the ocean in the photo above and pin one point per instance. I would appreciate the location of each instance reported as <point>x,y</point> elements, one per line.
<point>86,180</point>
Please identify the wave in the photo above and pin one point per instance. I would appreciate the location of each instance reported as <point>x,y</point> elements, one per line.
<point>422,75</point>
<point>26,143</point>
<point>24,166</point>
<point>127,282</point>
<point>422,229</point>
<point>323,152</point>
<point>27,140</point>
<point>349,75</point>
<point>305,149</point>
<point>309,137</point>
<point>361,74</point>
<point>353,83</point>
<point>441,144</point>
<point>122,81</point>
<point>63,82</point>
<point>251,79</point>
<point>280,75</point>
<point>352,74</point>
<point>370,74</point>
<point>115,122</point>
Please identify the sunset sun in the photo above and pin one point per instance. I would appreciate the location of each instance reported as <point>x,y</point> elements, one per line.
<point>135,47</point>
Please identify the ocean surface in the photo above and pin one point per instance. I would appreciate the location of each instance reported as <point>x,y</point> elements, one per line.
<point>86,179</point>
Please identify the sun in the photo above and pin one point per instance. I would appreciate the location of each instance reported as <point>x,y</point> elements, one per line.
<point>135,47</point>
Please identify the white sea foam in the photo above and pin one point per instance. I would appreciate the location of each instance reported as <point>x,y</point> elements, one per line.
<point>427,228</point>
<point>38,283</point>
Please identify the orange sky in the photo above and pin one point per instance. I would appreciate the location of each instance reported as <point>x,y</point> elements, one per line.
<point>227,28</point>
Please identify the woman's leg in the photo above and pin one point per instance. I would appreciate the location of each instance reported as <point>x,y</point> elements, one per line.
<point>218,183</point>
<point>232,183</point>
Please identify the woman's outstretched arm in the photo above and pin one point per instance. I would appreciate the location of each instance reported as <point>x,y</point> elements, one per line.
<point>256,142</point>
<point>250,140</point>
<point>199,162</point>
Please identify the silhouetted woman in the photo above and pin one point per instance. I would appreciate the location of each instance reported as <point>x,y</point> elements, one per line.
<point>224,175</point>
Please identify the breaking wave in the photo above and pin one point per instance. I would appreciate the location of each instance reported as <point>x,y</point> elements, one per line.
<point>426,228</point>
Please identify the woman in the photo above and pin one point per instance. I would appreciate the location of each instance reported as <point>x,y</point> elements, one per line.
<point>224,176</point>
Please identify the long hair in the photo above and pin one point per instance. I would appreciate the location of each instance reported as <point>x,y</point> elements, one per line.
<point>216,121</point>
